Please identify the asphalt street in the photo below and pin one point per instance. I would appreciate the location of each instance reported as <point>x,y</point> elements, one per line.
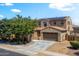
<point>4,52</point>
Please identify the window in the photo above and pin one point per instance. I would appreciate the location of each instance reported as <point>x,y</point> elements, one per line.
<point>45,24</point>
<point>62,23</point>
<point>54,23</point>
<point>38,33</point>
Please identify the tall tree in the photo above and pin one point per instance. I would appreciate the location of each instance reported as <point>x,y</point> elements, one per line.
<point>21,27</point>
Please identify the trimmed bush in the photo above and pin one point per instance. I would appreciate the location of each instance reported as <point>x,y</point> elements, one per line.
<point>75,44</point>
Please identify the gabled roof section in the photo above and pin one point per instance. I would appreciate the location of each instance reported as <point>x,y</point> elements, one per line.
<point>52,27</point>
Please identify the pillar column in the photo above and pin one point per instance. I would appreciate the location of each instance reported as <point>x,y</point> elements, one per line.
<point>41,36</point>
<point>35,37</point>
<point>59,37</point>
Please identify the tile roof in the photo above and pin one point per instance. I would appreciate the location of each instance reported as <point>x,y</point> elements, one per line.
<point>53,27</point>
<point>56,18</point>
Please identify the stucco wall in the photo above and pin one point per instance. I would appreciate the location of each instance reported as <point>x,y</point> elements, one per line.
<point>65,24</point>
<point>34,36</point>
<point>61,35</point>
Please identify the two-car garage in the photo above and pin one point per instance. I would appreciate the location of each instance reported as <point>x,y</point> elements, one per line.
<point>50,33</point>
<point>50,36</point>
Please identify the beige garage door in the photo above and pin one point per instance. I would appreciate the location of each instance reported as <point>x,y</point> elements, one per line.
<point>50,36</point>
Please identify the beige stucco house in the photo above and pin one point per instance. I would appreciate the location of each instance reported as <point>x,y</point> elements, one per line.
<point>56,29</point>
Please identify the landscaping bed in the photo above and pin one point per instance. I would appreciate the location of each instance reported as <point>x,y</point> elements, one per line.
<point>64,48</point>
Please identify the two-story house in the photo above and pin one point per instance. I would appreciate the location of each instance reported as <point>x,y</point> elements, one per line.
<point>56,29</point>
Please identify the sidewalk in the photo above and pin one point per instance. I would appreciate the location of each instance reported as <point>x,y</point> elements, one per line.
<point>48,53</point>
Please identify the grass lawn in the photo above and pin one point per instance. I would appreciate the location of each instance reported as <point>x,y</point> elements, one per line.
<point>64,48</point>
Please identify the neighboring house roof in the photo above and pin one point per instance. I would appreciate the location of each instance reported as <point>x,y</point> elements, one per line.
<point>75,25</point>
<point>76,28</point>
<point>56,18</point>
<point>75,34</point>
<point>53,27</point>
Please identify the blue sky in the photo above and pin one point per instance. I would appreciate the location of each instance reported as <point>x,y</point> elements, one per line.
<point>40,10</point>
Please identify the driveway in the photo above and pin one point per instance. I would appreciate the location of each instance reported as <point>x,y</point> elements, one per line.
<point>31,48</point>
<point>35,46</point>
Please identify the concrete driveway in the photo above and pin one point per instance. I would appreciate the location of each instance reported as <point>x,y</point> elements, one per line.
<point>31,48</point>
<point>35,46</point>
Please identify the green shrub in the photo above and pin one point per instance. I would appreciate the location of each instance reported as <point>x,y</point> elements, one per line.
<point>75,44</point>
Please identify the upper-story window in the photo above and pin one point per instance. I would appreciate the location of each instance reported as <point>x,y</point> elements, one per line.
<point>45,24</point>
<point>62,23</point>
<point>54,23</point>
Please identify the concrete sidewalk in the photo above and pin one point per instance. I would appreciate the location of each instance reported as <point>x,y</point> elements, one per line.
<point>48,53</point>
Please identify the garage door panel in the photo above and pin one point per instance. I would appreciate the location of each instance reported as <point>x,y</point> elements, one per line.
<point>50,36</point>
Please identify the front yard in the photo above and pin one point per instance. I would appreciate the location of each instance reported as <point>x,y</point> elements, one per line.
<point>44,48</point>
<point>64,48</point>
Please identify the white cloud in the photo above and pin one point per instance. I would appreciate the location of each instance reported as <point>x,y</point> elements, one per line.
<point>6,4</point>
<point>1,16</point>
<point>63,5</point>
<point>16,10</point>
